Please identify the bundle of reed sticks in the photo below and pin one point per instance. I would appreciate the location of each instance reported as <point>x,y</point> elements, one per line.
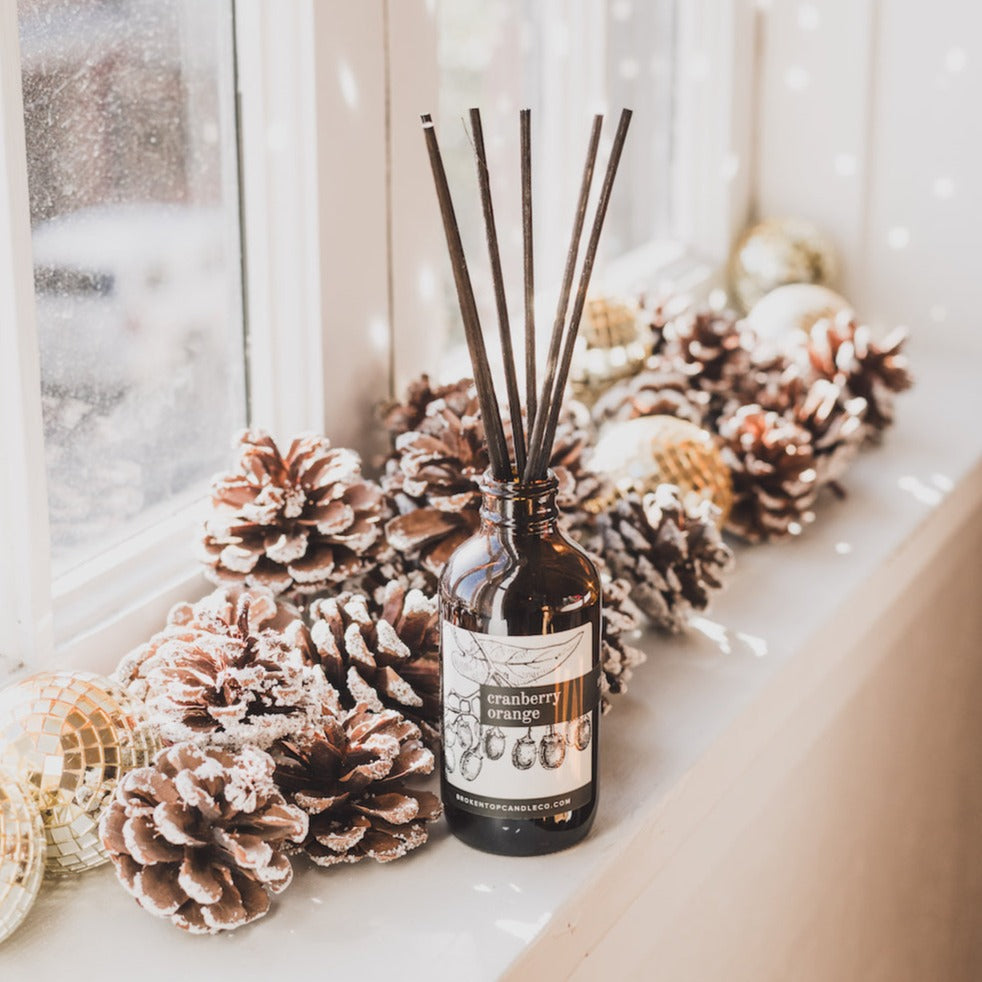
<point>532,443</point>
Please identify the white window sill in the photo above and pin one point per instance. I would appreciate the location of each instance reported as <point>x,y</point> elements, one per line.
<point>697,716</point>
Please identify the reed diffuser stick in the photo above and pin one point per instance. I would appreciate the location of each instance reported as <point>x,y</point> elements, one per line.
<point>525,121</point>
<point>500,299</point>
<point>537,464</point>
<point>555,341</point>
<point>497,446</point>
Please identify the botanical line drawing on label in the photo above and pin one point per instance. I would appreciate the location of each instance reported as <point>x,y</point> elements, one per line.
<point>518,721</point>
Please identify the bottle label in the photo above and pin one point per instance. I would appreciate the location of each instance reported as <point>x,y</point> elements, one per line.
<point>518,721</point>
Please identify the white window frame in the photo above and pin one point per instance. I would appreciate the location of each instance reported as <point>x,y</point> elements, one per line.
<point>341,248</point>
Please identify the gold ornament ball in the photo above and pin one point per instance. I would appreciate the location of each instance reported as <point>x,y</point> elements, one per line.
<point>609,347</point>
<point>21,853</point>
<point>786,315</point>
<point>643,453</point>
<point>68,737</point>
<point>776,252</point>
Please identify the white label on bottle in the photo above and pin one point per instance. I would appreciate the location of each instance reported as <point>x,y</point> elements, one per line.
<point>519,721</point>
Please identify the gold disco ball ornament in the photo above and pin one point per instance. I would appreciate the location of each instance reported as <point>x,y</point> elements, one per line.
<point>68,737</point>
<point>21,853</point>
<point>643,453</point>
<point>609,348</point>
<point>776,252</point>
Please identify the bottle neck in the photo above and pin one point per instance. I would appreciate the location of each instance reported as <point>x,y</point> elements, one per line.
<point>520,509</point>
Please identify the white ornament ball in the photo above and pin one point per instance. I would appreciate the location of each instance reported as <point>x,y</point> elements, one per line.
<point>789,312</point>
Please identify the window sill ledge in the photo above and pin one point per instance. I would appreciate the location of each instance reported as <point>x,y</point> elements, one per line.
<point>696,718</point>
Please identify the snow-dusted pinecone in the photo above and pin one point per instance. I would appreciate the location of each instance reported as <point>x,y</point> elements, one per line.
<point>297,522</point>
<point>775,475</point>
<point>350,779</point>
<point>433,476</point>
<point>844,351</point>
<point>215,681</point>
<point>715,347</point>
<point>199,836</point>
<point>621,624</point>
<point>382,651</point>
<point>670,551</point>
<point>665,388</point>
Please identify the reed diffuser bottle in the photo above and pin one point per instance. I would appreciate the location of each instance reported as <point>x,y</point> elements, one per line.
<point>520,673</point>
<point>520,602</point>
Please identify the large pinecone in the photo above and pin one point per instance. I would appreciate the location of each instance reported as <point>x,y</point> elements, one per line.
<point>665,388</point>
<point>241,614</point>
<point>433,476</point>
<point>349,778</point>
<point>210,680</point>
<point>843,351</point>
<point>296,523</point>
<point>382,651</point>
<point>670,552</point>
<point>775,476</point>
<point>198,837</point>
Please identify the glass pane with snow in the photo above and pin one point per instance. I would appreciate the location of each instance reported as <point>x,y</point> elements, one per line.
<point>131,145</point>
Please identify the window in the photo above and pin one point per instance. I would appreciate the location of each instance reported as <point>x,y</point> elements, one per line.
<point>129,122</point>
<point>507,54</point>
<point>169,165</point>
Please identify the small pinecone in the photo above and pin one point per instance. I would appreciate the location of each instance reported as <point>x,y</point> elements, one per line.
<point>835,425</point>
<point>834,422</point>
<point>198,837</point>
<point>402,417</point>
<point>382,652</point>
<point>775,478</point>
<point>660,308</point>
<point>296,523</point>
<point>232,688</point>
<point>843,351</point>
<point>672,554</point>
<point>433,481</point>
<point>433,477</point>
<point>716,348</point>
<point>665,388</point>
<point>621,622</point>
<point>349,779</point>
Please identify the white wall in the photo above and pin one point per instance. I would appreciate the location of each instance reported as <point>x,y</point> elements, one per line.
<point>858,857</point>
<point>869,123</point>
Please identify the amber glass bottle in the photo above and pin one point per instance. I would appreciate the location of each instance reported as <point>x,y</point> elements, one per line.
<point>520,670</point>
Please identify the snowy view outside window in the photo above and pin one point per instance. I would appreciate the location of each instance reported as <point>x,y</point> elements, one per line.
<point>129,114</point>
<point>565,61</point>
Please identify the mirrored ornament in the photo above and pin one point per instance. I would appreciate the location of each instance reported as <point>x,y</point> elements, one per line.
<point>68,737</point>
<point>610,347</point>
<point>776,252</point>
<point>643,453</point>
<point>21,853</point>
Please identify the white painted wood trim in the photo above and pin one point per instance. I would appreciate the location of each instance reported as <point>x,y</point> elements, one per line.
<point>714,136</point>
<point>281,227</point>
<point>352,216</point>
<point>25,572</point>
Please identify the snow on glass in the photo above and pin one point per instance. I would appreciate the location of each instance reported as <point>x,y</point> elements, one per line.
<point>131,149</point>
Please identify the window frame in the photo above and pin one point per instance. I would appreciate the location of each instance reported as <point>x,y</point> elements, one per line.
<point>337,243</point>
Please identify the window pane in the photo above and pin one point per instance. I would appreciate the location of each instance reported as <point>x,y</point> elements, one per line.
<point>130,124</point>
<point>565,61</point>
